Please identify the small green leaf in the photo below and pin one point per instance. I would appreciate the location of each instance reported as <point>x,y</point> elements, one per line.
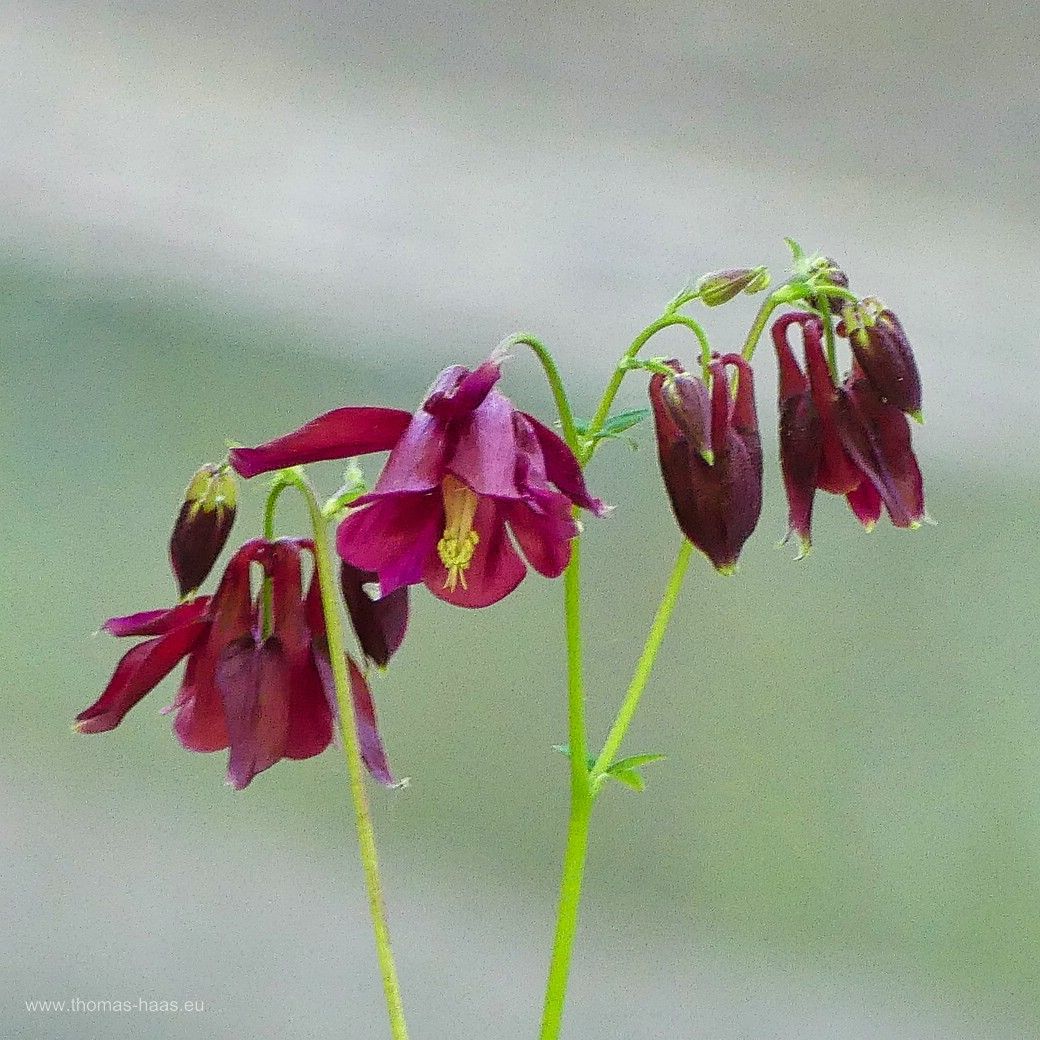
<point>636,761</point>
<point>615,426</point>
<point>565,750</point>
<point>628,777</point>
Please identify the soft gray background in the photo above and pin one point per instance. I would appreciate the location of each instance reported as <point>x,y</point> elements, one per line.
<point>217,223</point>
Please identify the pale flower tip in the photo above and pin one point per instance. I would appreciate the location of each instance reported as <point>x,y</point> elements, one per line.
<point>917,415</point>
<point>727,570</point>
<point>929,521</point>
<point>804,549</point>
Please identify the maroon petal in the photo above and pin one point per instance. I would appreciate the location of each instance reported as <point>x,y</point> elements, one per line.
<point>378,623</point>
<point>392,536</point>
<point>800,463</point>
<point>138,672</point>
<point>837,474</point>
<point>543,529</point>
<point>494,570</point>
<point>310,714</point>
<point>865,503</point>
<point>877,437</point>
<point>339,434</point>
<point>200,723</point>
<point>485,457</point>
<point>366,725</point>
<point>373,753</point>
<point>419,459</point>
<point>254,684</point>
<point>799,435</point>
<point>457,391</point>
<point>686,398</point>
<point>885,355</point>
<point>562,468</point>
<point>156,622</point>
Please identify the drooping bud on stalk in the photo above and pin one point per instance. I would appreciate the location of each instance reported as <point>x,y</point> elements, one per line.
<point>720,287</point>
<point>202,526</point>
<point>717,504</point>
<point>884,353</point>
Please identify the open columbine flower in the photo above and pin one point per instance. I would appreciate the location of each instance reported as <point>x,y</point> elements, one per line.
<point>465,472</point>
<point>711,456</point>
<point>266,695</point>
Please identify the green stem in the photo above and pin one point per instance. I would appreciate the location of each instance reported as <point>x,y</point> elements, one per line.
<point>355,767</point>
<point>643,667</point>
<point>580,809</point>
<point>828,335</point>
<point>769,304</point>
<point>664,322</point>
<point>267,599</point>
<point>552,374</point>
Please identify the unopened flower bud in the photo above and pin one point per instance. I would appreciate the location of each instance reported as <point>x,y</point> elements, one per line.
<point>828,272</point>
<point>721,286</point>
<point>883,352</point>
<point>202,526</point>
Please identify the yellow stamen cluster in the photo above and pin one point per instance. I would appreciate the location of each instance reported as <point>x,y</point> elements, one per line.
<point>460,541</point>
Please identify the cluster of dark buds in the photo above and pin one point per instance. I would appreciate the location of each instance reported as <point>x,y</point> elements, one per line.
<point>849,437</point>
<point>464,468</point>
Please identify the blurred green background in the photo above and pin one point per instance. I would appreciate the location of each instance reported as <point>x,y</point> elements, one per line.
<point>845,837</point>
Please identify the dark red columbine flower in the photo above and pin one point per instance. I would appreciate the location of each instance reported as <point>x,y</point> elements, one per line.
<point>884,354</point>
<point>462,469</point>
<point>202,526</point>
<point>711,456</point>
<point>844,440</point>
<point>265,695</point>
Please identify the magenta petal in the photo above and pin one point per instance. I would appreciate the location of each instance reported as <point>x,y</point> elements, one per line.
<point>310,714</point>
<point>865,503</point>
<point>419,458</point>
<point>562,468</point>
<point>544,530</point>
<point>138,672</point>
<point>485,457</point>
<point>458,391</point>
<point>254,685</point>
<point>392,536</point>
<point>373,753</point>
<point>156,622</point>
<point>494,571</point>
<point>339,434</point>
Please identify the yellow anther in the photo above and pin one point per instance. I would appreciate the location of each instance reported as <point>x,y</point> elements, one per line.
<point>460,541</point>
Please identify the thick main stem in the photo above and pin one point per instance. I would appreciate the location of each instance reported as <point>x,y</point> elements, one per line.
<point>355,767</point>
<point>580,810</point>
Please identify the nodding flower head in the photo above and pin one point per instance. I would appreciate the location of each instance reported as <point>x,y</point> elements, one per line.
<point>467,477</point>
<point>710,455</point>
<point>257,682</point>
